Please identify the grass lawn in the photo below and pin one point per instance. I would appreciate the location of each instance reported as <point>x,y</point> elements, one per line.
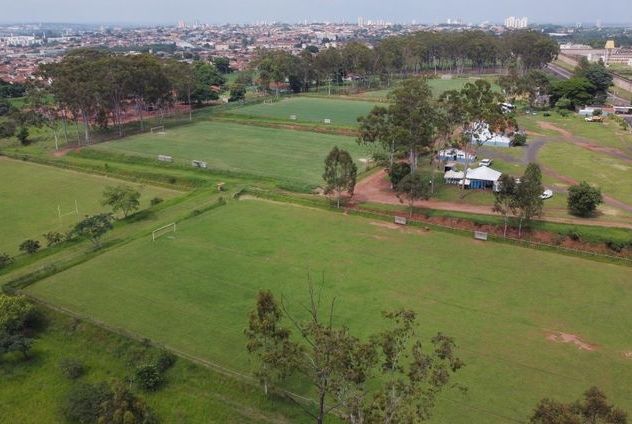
<point>192,394</point>
<point>295,156</point>
<point>607,134</point>
<point>610,174</point>
<point>194,292</point>
<point>306,109</point>
<point>31,193</point>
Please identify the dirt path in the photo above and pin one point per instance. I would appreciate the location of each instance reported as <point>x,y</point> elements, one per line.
<point>587,144</point>
<point>376,188</point>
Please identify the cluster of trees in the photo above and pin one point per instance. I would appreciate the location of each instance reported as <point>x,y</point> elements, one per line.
<point>589,85</point>
<point>592,409</point>
<point>520,198</point>
<point>11,90</point>
<point>453,52</point>
<point>98,87</point>
<point>390,377</point>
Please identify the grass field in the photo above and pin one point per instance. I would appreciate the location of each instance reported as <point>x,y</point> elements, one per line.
<point>580,164</point>
<point>31,193</point>
<point>194,291</point>
<point>295,156</point>
<point>192,394</point>
<point>306,109</point>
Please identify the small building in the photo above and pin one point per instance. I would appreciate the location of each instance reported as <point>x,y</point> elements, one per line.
<point>482,177</point>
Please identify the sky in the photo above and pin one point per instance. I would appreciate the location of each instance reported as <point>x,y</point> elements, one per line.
<point>249,11</point>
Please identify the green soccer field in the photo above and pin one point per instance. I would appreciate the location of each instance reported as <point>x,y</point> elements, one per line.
<point>501,303</point>
<point>285,155</point>
<point>307,109</point>
<point>30,195</point>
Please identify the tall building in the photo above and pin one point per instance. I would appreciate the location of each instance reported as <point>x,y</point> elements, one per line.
<point>360,21</point>
<point>513,22</point>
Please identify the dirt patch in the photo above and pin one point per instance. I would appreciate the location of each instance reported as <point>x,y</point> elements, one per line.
<point>388,225</point>
<point>560,337</point>
<point>551,127</point>
<point>65,151</point>
<point>628,354</point>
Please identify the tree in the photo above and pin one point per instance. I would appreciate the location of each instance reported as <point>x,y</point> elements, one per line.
<point>413,187</point>
<point>387,378</point>
<point>222,64</point>
<point>148,377</point>
<point>583,199</point>
<point>269,341</point>
<point>5,260</point>
<point>599,77</point>
<point>30,246</point>
<point>237,92</point>
<point>23,136</point>
<point>505,198</point>
<point>121,198</point>
<point>578,91</point>
<point>16,314</point>
<point>94,227</point>
<point>529,202</point>
<point>593,409</point>
<point>340,173</point>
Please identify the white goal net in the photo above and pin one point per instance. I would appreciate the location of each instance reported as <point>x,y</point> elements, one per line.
<point>160,129</point>
<point>167,229</point>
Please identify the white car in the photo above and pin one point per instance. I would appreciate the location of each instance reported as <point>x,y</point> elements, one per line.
<point>485,162</point>
<point>547,194</point>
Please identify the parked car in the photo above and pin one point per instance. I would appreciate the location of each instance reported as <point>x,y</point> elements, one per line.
<point>547,194</point>
<point>594,119</point>
<point>485,162</point>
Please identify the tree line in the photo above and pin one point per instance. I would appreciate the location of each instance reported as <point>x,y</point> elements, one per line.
<point>401,56</point>
<point>97,87</point>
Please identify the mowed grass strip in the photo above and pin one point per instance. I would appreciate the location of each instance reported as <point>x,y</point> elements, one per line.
<point>286,155</point>
<point>306,109</point>
<point>30,195</point>
<point>194,292</point>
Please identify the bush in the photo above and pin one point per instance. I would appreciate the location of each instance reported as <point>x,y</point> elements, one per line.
<point>83,402</point>
<point>520,139</point>
<point>583,199</point>
<point>148,377</point>
<point>5,260</point>
<point>53,238</point>
<point>155,201</point>
<point>71,368</point>
<point>7,129</point>
<point>165,361</point>
<point>30,246</point>
<point>23,136</point>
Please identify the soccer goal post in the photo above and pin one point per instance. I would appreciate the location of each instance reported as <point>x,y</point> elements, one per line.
<point>160,129</point>
<point>169,228</point>
<point>61,213</point>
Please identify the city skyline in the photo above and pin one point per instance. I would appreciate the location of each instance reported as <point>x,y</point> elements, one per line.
<point>251,11</point>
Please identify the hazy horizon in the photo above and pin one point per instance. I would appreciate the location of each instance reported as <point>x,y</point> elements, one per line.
<point>145,12</point>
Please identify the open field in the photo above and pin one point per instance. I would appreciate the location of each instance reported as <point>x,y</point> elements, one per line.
<point>308,109</point>
<point>192,394</point>
<point>193,292</point>
<point>31,193</point>
<point>612,175</point>
<point>295,156</point>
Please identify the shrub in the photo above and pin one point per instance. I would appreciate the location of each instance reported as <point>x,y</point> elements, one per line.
<point>71,368</point>
<point>53,238</point>
<point>23,136</point>
<point>520,139</point>
<point>30,246</point>
<point>5,260</point>
<point>165,361</point>
<point>155,201</point>
<point>583,199</point>
<point>7,129</point>
<point>83,402</point>
<point>148,377</point>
